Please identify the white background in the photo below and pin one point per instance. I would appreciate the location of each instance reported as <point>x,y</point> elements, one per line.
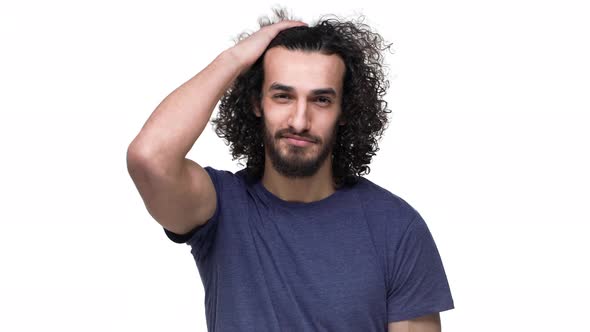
<point>488,141</point>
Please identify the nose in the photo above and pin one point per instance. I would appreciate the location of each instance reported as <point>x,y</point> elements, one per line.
<point>299,119</point>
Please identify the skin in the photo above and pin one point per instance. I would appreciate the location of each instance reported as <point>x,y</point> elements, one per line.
<point>294,173</point>
<point>428,323</point>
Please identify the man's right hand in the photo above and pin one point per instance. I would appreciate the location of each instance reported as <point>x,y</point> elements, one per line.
<point>248,50</point>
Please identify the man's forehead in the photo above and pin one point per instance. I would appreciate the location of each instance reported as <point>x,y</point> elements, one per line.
<point>291,70</point>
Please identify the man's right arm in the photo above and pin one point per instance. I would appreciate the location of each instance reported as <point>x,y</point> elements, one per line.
<point>177,191</point>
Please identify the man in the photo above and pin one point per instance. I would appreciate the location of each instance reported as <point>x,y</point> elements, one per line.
<point>297,240</point>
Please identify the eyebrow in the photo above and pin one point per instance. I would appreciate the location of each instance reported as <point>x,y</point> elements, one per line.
<point>315,92</point>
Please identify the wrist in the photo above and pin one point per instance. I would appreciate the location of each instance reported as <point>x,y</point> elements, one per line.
<point>230,56</point>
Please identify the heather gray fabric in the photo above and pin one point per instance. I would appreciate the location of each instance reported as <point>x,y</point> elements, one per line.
<point>353,261</point>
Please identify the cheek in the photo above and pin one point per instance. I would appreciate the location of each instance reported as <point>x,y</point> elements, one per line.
<point>326,123</point>
<point>270,127</point>
<point>273,121</point>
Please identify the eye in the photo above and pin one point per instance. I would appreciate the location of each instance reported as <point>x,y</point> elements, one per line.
<point>324,100</point>
<point>281,96</point>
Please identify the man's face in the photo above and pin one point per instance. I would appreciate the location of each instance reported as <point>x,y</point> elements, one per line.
<point>301,98</point>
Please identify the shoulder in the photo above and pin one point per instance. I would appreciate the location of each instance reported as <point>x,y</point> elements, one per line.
<point>229,185</point>
<point>388,215</point>
<point>225,179</point>
<point>380,202</point>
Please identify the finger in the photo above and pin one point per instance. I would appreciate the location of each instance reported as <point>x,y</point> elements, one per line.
<point>283,25</point>
<point>292,23</point>
<point>298,23</point>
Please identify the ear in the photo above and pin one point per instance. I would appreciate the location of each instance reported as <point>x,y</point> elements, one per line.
<point>255,107</point>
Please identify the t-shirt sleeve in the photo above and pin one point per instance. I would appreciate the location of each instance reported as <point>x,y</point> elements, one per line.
<point>201,237</point>
<point>417,283</point>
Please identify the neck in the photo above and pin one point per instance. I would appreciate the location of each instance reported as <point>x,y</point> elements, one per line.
<point>304,190</point>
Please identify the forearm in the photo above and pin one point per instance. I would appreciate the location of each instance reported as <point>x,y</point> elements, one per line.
<point>178,121</point>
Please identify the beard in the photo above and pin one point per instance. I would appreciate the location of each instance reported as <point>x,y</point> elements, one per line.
<point>296,162</point>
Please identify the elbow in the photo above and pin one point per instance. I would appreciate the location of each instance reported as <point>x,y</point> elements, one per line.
<point>137,158</point>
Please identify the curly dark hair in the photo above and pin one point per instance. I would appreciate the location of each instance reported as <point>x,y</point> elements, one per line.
<point>363,108</point>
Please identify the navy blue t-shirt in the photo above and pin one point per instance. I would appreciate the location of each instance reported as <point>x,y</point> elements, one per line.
<point>354,261</point>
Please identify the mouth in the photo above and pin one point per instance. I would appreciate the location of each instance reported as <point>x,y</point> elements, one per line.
<point>296,141</point>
